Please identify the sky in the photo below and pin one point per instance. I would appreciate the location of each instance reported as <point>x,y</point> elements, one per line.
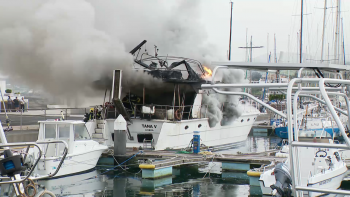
<point>279,17</point>
<point>64,45</point>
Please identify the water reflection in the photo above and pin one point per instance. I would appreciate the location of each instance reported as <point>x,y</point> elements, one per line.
<point>205,179</point>
<point>186,181</point>
<point>87,183</point>
<point>254,144</point>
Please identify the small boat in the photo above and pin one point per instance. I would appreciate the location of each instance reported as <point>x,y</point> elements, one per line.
<point>83,153</point>
<point>325,170</point>
<point>312,127</point>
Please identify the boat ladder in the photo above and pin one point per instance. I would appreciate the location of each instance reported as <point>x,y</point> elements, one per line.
<point>148,144</point>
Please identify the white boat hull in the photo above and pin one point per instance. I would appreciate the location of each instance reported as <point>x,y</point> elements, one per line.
<point>331,180</point>
<point>178,134</point>
<point>72,164</point>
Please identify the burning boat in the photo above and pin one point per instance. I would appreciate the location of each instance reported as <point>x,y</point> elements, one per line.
<point>166,117</point>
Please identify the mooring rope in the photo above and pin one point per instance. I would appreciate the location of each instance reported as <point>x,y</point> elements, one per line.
<point>122,163</point>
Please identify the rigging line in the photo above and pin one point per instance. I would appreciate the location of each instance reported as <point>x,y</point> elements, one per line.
<point>316,40</point>
<point>293,21</point>
<point>320,43</point>
<point>307,21</point>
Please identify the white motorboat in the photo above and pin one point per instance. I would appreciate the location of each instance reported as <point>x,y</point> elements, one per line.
<point>165,116</point>
<point>325,170</point>
<point>83,153</point>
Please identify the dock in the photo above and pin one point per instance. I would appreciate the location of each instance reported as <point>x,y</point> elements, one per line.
<point>158,164</point>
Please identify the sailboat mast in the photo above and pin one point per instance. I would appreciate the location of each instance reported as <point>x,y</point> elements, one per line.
<point>229,53</point>
<point>246,45</point>
<point>298,38</point>
<point>339,33</point>
<point>301,31</point>
<point>324,26</point>
<point>336,33</point>
<point>288,47</point>
<point>342,25</point>
<point>275,53</point>
<point>251,48</point>
<point>267,47</point>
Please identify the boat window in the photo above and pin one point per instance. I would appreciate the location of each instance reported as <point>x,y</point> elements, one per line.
<point>50,131</point>
<point>63,131</point>
<point>80,132</point>
<point>141,137</point>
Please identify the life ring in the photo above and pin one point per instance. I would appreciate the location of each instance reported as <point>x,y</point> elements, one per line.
<point>321,151</point>
<point>178,114</point>
<point>109,105</point>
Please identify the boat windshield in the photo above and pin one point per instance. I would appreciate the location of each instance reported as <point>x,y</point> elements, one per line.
<point>50,131</point>
<point>80,132</point>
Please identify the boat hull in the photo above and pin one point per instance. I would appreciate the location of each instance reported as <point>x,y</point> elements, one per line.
<point>178,134</point>
<point>331,180</point>
<point>73,163</point>
<point>282,132</point>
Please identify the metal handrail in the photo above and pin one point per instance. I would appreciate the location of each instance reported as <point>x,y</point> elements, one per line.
<point>322,91</point>
<point>65,152</point>
<point>32,169</point>
<point>328,103</point>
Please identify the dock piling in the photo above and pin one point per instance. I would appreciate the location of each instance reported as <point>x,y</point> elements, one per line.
<point>120,136</point>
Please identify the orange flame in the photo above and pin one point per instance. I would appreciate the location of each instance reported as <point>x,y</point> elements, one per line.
<point>208,71</point>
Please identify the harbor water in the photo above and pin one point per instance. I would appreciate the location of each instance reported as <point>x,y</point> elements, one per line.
<point>206,179</point>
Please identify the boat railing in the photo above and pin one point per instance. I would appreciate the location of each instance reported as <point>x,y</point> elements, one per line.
<point>292,107</point>
<point>61,157</point>
<point>294,142</point>
<point>19,120</point>
<point>36,145</point>
<point>185,112</point>
<point>168,112</point>
<point>28,145</point>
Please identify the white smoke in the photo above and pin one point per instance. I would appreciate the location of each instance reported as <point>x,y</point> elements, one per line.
<point>224,109</point>
<point>63,46</point>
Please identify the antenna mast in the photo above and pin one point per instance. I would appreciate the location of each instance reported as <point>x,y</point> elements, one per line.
<point>301,31</point>
<point>324,27</point>
<point>229,53</point>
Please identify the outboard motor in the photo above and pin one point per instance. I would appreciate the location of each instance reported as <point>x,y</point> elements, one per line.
<point>283,181</point>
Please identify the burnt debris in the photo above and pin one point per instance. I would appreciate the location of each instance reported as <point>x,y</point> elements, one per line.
<point>179,71</point>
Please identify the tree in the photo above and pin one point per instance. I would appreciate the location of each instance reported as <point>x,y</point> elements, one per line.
<point>8,91</point>
<point>277,97</point>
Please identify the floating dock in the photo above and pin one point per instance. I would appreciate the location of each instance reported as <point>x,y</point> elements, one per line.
<point>158,164</point>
